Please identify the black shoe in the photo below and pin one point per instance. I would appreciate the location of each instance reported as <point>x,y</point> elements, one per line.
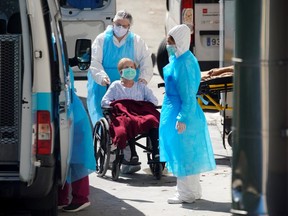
<point>75,207</point>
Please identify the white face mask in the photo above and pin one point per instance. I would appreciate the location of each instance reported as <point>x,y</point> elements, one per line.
<point>119,31</point>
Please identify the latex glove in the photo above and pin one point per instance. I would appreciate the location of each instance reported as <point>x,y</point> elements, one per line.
<point>180,127</point>
<point>105,81</point>
<point>141,80</point>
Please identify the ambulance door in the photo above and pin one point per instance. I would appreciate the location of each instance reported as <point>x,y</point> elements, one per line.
<point>85,19</point>
<point>65,103</point>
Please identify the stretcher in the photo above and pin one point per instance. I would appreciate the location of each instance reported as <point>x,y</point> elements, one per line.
<point>206,92</point>
<point>217,85</point>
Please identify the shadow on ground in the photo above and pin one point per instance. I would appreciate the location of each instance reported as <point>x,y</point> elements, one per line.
<point>207,205</point>
<point>101,204</point>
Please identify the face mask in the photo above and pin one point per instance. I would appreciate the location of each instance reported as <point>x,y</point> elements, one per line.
<point>171,49</point>
<point>129,73</point>
<point>119,31</point>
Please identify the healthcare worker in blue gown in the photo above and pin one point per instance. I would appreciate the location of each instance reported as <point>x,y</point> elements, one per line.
<point>115,43</point>
<point>184,138</point>
<point>82,162</point>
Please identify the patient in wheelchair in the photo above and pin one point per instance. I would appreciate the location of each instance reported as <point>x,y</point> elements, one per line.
<point>130,96</point>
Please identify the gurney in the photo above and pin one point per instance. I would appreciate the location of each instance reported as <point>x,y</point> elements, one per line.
<point>217,81</point>
<point>210,87</point>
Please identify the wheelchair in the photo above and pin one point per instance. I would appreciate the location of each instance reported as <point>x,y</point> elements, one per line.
<point>105,150</point>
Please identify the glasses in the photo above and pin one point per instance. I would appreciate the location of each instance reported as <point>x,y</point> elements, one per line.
<point>123,26</point>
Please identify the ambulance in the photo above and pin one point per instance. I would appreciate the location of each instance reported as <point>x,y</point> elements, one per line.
<point>85,19</point>
<point>202,17</point>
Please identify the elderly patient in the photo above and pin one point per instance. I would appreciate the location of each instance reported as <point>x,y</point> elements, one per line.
<point>126,95</point>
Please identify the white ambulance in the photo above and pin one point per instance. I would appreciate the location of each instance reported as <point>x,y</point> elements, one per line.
<point>36,117</point>
<point>202,16</point>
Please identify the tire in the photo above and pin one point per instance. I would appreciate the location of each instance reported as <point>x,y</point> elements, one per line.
<point>116,164</point>
<point>156,168</point>
<point>101,138</point>
<point>162,57</point>
<point>229,138</point>
<point>115,171</point>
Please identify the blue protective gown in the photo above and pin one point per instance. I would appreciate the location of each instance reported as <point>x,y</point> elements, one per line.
<point>82,161</point>
<point>191,152</point>
<point>111,56</point>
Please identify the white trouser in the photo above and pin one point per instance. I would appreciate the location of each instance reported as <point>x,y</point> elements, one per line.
<point>188,188</point>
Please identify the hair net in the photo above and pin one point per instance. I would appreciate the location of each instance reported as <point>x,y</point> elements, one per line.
<point>181,35</point>
<point>122,14</point>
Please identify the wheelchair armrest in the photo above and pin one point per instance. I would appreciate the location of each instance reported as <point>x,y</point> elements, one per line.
<point>158,106</point>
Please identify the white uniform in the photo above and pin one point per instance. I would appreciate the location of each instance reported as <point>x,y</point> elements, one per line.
<point>142,57</point>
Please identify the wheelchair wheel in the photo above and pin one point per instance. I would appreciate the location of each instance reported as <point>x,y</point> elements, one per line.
<point>115,171</point>
<point>116,165</point>
<point>156,168</point>
<point>229,138</point>
<point>102,146</point>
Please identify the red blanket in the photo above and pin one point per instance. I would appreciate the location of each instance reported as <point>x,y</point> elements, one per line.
<point>130,118</point>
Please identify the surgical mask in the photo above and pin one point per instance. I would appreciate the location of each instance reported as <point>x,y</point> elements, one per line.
<point>171,49</point>
<point>119,31</point>
<point>129,73</point>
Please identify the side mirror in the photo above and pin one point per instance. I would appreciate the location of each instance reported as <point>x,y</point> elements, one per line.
<point>83,53</point>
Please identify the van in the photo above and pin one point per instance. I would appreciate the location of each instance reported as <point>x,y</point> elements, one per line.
<point>85,19</point>
<point>202,17</point>
<point>36,115</point>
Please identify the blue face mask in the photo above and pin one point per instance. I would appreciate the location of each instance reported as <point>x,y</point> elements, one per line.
<point>171,49</point>
<point>129,73</point>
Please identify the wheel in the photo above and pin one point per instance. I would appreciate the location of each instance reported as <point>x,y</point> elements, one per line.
<point>116,165</point>
<point>162,57</point>
<point>102,146</point>
<point>156,168</point>
<point>115,171</point>
<point>157,172</point>
<point>229,138</point>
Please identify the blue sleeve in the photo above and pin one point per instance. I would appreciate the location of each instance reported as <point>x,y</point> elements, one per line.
<point>187,84</point>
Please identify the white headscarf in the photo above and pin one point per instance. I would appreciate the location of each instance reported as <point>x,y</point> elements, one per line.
<point>181,35</point>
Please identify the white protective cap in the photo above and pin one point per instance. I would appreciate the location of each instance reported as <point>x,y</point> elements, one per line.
<point>122,14</point>
<point>181,35</point>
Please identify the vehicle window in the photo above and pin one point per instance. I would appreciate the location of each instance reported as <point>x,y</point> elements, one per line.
<point>8,8</point>
<point>207,1</point>
<point>84,3</point>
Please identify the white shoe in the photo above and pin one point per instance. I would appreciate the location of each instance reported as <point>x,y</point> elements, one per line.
<point>176,200</point>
